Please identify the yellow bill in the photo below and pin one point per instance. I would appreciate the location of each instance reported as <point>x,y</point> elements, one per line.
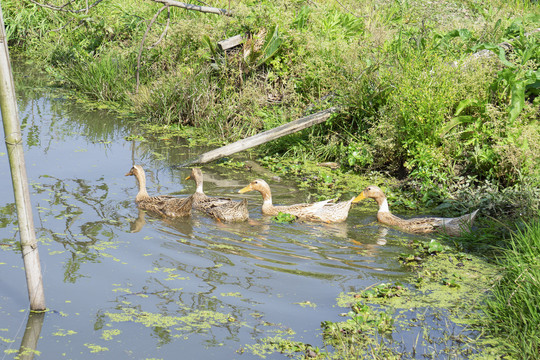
<point>359,198</point>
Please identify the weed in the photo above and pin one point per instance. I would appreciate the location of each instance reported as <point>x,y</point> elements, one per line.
<point>513,310</point>
<point>284,218</point>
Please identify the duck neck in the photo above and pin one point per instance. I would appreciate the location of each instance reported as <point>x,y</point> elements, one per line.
<point>267,199</point>
<point>383,204</point>
<point>143,194</point>
<point>199,188</point>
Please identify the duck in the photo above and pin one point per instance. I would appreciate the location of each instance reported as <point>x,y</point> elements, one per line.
<point>321,211</point>
<point>450,226</point>
<point>222,209</point>
<point>164,205</point>
<point>332,213</point>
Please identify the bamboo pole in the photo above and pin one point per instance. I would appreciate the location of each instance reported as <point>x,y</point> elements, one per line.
<point>12,131</point>
<point>264,137</point>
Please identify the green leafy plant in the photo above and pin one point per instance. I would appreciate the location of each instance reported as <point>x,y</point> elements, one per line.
<point>301,20</point>
<point>284,218</point>
<point>517,81</point>
<point>384,291</point>
<point>337,24</point>
<point>421,251</point>
<point>219,60</point>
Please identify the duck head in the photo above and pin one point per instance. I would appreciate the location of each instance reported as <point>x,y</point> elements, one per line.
<point>256,185</point>
<point>136,171</point>
<point>373,192</point>
<point>260,186</point>
<point>197,176</point>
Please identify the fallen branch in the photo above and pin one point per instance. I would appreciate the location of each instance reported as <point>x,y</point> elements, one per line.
<point>144,39</point>
<point>286,129</point>
<point>62,8</point>
<point>204,9</point>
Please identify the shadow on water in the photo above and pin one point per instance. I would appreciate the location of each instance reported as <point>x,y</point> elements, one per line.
<point>124,284</point>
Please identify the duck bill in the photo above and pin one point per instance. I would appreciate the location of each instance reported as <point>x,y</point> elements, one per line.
<point>245,190</point>
<point>359,198</point>
<point>130,173</point>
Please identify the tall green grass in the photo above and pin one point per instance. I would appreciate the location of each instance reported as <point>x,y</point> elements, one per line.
<point>514,309</point>
<point>415,103</point>
<point>107,78</point>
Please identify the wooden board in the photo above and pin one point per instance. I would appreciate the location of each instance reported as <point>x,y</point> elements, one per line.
<point>231,42</point>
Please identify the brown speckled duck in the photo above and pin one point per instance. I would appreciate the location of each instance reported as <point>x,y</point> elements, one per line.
<point>323,211</point>
<point>451,226</point>
<point>164,205</point>
<point>221,209</point>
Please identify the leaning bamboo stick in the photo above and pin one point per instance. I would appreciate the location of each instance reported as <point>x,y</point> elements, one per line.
<point>12,131</point>
<point>264,137</point>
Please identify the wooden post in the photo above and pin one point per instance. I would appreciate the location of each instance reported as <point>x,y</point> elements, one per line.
<point>264,137</point>
<point>12,131</point>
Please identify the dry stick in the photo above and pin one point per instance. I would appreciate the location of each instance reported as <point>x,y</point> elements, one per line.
<point>62,27</point>
<point>61,8</point>
<point>204,9</point>
<point>142,44</point>
<point>12,131</point>
<point>264,137</point>
<point>165,30</point>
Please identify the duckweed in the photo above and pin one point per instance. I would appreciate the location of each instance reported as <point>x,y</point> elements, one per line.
<point>95,348</point>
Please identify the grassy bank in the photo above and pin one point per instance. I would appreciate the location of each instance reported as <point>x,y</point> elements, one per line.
<point>419,99</point>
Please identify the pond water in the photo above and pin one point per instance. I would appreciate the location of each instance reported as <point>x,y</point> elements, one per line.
<point>121,284</point>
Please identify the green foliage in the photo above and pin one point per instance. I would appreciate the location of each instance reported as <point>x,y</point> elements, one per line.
<point>420,251</point>
<point>336,24</point>
<point>284,218</point>
<point>514,310</point>
<point>384,291</point>
<point>271,46</point>
<point>302,17</point>
<point>416,100</point>
<point>353,335</point>
<point>107,78</point>
<point>25,22</point>
<point>183,99</point>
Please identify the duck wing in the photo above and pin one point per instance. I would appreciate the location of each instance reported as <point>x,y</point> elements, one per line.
<point>229,211</point>
<point>450,226</point>
<point>331,213</point>
<point>166,205</point>
<point>301,210</point>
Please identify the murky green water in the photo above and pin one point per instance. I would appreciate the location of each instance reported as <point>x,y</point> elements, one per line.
<point>122,285</point>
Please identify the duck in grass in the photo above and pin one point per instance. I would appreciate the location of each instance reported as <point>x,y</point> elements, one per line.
<point>164,205</point>
<point>451,226</point>
<point>222,209</point>
<point>322,211</point>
